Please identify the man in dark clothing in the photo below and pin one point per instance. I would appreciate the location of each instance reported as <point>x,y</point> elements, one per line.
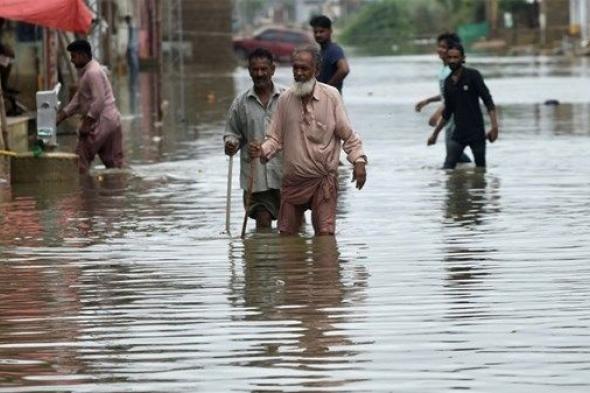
<point>462,91</point>
<point>334,65</point>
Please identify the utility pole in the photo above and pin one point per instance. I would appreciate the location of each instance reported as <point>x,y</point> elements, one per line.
<point>542,23</point>
<point>96,35</point>
<point>492,14</point>
<point>50,50</point>
<point>176,71</point>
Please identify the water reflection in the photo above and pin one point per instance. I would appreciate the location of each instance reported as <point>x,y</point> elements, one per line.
<point>563,119</point>
<point>35,345</point>
<point>470,197</point>
<point>76,213</point>
<point>125,284</point>
<point>34,214</point>
<point>298,284</point>
<point>470,203</point>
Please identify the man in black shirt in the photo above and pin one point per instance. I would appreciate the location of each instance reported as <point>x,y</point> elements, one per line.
<point>462,91</point>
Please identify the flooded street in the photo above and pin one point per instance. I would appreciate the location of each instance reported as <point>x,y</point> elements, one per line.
<point>435,281</point>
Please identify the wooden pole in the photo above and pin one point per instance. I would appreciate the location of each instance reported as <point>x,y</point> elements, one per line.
<point>228,196</point>
<point>158,54</point>
<point>4,127</point>
<point>249,195</point>
<point>63,44</point>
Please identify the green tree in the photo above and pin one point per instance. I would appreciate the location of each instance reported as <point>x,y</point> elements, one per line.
<point>384,24</point>
<point>392,23</point>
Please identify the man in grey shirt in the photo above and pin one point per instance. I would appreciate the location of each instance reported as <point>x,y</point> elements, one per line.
<point>248,117</point>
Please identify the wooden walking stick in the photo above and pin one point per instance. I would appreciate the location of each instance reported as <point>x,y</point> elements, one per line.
<point>249,195</point>
<point>228,196</point>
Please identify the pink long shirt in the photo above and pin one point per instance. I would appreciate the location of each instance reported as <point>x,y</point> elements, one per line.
<point>311,137</point>
<point>94,97</point>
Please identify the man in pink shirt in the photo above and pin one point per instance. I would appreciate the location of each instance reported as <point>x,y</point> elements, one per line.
<point>100,132</point>
<point>310,127</point>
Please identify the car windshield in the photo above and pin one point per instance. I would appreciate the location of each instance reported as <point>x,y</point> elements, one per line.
<point>269,35</point>
<point>296,38</point>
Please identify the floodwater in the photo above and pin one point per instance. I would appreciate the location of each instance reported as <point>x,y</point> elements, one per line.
<point>435,281</point>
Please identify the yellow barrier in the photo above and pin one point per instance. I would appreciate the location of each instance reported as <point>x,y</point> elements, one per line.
<point>8,153</point>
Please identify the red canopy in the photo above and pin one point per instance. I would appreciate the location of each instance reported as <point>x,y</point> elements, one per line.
<point>69,15</point>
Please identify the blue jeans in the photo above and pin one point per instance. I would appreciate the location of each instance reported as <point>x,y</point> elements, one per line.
<point>455,150</point>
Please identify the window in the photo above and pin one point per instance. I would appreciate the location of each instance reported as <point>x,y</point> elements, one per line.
<point>295,38</point>
<point>269,35</point>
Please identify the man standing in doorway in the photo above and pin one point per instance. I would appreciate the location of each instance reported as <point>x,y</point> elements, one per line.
<point>462,91</point>
<point>100,132</point>
<point>248,118</point>
<point>132,48</point>
<point>334,66</point>
<point>311,127</point>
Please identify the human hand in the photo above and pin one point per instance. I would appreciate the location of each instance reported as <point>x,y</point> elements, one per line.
<point>254,150</point>
<point>420,105</point>
<point>432,139</point>
<point>493,134</point>
<point>86,126</point>
<point>61,116</point>
<point>230,148</point>
<point>359,174</point>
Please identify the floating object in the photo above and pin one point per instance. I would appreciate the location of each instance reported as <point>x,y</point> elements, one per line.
<point>552,102</point>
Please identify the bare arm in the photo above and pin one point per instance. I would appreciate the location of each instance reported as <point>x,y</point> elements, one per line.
<point>437,129</point>
<point>493,132</point>
<point>342,70</point>
<point>429,100</point>
<point>436,116</point>
<point>486,97</point>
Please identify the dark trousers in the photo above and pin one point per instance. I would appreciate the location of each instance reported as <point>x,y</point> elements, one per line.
<point>455,151</point>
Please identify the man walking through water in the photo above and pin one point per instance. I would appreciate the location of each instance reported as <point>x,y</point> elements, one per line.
<point>311,127</point>
<point>443,42</point>
<point>334,67</point>
<point>462,91</point>
<point>248,117</point>
<point>100,132</point>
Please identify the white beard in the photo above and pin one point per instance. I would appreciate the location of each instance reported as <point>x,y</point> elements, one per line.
<point>302,89</point>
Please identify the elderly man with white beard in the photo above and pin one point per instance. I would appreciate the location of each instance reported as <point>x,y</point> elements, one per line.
<point>311,127</point>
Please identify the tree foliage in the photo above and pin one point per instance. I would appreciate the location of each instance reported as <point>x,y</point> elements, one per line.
<point>386,23</point>
<point>381,25</point>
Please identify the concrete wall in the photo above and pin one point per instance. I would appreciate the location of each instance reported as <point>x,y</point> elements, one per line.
<point>207,26</point>
<point>580,17</point>
<point>557,16</point>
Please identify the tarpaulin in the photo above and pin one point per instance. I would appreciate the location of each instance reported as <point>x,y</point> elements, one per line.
<point>68,15</point>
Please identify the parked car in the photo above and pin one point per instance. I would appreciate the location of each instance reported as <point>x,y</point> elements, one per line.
<point>279,41</point>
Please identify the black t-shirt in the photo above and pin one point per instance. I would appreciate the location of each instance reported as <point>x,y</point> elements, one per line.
<point>462,102</point>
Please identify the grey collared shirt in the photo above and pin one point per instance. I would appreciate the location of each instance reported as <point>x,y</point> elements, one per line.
<point>247,120</point>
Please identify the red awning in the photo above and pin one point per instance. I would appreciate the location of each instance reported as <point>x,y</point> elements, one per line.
<point>68,15</point>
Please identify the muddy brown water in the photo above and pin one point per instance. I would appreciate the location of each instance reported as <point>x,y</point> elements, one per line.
<point>435,281</point>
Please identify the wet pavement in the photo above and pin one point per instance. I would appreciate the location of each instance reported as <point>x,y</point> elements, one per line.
<point>435,281</point>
